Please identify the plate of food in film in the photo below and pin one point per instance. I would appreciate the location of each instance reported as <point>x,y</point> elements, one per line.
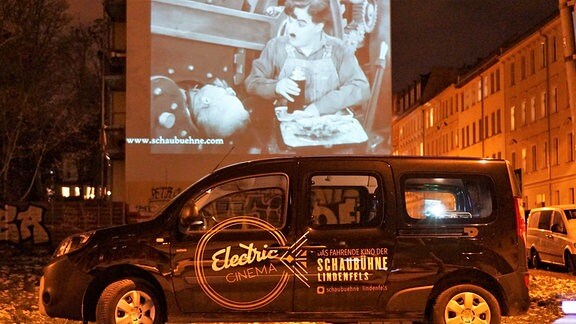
<point>327,130</point>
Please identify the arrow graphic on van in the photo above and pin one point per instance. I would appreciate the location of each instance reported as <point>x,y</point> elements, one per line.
<point>295,259</point>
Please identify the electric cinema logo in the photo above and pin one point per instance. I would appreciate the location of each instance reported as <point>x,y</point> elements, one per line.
<point>232,269</point>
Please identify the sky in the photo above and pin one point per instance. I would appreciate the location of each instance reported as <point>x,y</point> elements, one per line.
<point>454,33</point>
<point>429,33</point>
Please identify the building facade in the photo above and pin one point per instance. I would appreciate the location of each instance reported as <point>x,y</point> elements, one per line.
<point>513,105</point>
<point>113,114</point>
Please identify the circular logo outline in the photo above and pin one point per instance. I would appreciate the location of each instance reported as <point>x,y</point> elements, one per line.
<point>211,292</point>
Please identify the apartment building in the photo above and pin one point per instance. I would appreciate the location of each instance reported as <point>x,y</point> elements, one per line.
<point>113,115</point>
<point>512,105</point>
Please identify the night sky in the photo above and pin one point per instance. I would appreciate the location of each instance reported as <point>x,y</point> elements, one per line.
<point>428,33</point>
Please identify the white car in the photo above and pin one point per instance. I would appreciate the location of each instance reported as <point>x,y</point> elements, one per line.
<point>551,236</point>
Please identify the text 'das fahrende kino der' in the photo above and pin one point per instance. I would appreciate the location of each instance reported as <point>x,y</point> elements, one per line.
<point>350,264</point>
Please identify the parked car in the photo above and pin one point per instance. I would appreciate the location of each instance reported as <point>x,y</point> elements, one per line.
<point>309,239</point>
<point>551,236</point>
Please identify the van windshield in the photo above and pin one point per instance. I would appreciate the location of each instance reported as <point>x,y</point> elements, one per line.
<point>570,213</point>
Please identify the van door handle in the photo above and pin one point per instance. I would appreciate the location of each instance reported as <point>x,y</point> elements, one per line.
<point>550,236</point>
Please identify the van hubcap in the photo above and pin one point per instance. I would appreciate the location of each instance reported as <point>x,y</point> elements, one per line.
<point>135,307</point>
<point>467,307</point>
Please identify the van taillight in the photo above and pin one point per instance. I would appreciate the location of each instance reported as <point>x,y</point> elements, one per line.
<point>520,222</point>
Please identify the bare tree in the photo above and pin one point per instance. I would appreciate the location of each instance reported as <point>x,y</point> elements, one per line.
<point>49,93</point>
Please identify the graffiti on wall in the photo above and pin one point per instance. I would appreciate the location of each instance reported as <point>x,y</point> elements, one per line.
<point>23,225</point>
<point>158,197</point>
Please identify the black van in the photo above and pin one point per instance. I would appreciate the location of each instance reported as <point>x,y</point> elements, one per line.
<point>309,239</point>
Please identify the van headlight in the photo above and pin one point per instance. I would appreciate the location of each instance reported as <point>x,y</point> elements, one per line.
<point>72,243</point>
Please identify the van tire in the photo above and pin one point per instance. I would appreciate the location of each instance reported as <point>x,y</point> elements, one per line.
<point>569,263</point>
<point>462,300</point>
<point>535,259</point>
<point>122,292</point>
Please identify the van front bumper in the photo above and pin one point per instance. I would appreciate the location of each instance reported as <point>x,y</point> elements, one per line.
<point>62,289</point>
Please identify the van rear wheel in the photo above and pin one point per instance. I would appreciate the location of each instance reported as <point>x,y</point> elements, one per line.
<point>128,300</point>
<point>466,304</point>
<point>569,263</point>
<point>535,259</point>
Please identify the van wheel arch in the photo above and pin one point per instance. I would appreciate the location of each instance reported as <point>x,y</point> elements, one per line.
<point>110,275</point>
<point>474,277</point>
<point>466,300</point>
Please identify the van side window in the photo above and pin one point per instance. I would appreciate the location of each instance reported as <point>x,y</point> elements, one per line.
<point>544,220</point>
<point>533,219</point>
<point>263,197</point>
<point>345,200</point>
<point>558,223</point>
<point>570,214</point>
<point>460,199</point>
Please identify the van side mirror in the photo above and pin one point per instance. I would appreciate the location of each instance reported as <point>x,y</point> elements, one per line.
<point>189,215</point>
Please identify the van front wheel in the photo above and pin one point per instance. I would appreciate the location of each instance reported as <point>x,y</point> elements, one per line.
<point>128,301</point>
<point>466,304</point>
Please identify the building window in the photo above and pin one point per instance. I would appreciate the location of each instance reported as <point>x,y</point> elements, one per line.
<point>524,159</point>
<point>571,194</point>
<point>523,68</point>
<point>523,113</point>
<point>512,74</point>
<point>513,118</point>
<point>570,147</point>
<point>543,53</point>
<point>545,155</point>
<point>480,89</point>
<point>541,200</point>
<point>532,109</point>
<point>456,140</point>
<point>555,99</point>
<point>497,79</point>
<point>493,117</point>
<point>498,121</point>
<point>556,149</point>
<point>473,133</point>
<point>492,84</point>
<point>532,62</point>
<point>554,49</point>
<point>543,104</point>
<point>534,159</point>
<point>481,129</point>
